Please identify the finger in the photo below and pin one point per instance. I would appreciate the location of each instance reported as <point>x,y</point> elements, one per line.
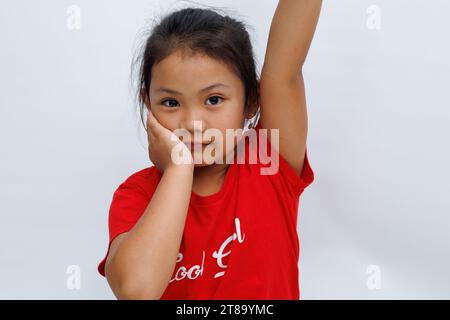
<point>150,137</point>
<point>152,124</point>
<point>152,133</point>
<point>148,119</point>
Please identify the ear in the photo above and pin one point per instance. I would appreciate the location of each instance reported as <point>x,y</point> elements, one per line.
<point>253,109</point>
<point>251,112</point>
<point>144,97</point>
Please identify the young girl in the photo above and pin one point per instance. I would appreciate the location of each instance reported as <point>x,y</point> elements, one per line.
<point>221,230</point>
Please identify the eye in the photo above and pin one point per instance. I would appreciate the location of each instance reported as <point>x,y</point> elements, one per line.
<point>171,105</point>
<point>214,99</point>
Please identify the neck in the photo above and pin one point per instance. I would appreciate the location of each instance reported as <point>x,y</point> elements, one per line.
<point>211,171</point>
<point>209,179</point>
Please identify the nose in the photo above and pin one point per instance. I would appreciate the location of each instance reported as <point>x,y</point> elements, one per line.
<point>193,122</point>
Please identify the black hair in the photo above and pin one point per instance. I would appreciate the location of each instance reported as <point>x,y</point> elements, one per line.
<point>204,31</point>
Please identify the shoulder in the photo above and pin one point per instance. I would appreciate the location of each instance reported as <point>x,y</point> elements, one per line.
<point>132,195</point>
<point>145,179</point>
<point>146,174</point>
<point>275,167</point>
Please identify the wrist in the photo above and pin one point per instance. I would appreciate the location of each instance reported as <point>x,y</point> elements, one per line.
<point>180,168</point>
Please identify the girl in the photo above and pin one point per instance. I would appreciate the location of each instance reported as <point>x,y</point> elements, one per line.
<point>221,230</point>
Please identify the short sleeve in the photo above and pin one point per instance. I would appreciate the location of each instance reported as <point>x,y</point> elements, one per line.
<point>297,182</point>
<point>293,183</point>
<point>128,204</point>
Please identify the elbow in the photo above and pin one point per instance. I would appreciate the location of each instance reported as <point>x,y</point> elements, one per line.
<point>127,287</point>
<point>132,292</point>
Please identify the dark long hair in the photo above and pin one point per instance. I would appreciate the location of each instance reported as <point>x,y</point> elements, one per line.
<point>204,31</point>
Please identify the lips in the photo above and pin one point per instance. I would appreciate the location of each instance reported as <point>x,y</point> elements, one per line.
<point>196,142</point>
<point>192,145</point>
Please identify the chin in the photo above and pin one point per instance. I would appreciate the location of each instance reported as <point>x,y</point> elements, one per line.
<point>197,165</point>
<point>204,164</point>
<point>216,160</point>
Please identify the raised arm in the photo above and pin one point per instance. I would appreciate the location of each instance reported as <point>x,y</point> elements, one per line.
<point>283,99</point>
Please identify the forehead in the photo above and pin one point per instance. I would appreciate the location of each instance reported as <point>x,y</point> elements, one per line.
<point>193,71</point>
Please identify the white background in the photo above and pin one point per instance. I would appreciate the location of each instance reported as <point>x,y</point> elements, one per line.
<point>379,115</point>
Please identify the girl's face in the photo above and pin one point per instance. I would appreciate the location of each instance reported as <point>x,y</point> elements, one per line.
<point>184,89</point>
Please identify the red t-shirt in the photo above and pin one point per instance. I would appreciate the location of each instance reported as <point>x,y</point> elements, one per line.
<point>239,243</point>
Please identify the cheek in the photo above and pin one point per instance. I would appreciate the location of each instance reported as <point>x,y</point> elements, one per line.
<point>231,119</point>
<point>227,144</point>
<point>167,121</point>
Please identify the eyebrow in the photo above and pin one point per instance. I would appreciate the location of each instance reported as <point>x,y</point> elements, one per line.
<point>171,91</point>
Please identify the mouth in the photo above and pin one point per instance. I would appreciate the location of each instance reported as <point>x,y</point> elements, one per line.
<point>198,145</point>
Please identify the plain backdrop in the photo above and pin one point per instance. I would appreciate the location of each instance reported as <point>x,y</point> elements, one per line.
<point>373,225</point>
